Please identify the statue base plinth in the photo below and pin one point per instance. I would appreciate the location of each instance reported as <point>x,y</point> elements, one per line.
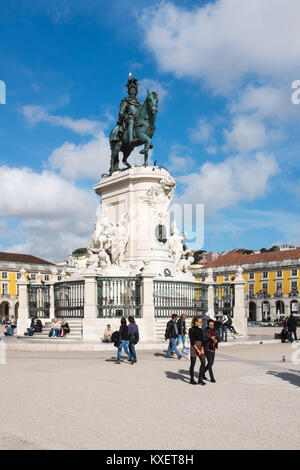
<point>141,196</point>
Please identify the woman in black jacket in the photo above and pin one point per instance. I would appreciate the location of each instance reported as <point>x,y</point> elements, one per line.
<point>197,349</point>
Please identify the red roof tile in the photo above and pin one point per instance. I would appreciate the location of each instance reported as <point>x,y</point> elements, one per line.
<point>238,258</point>
<point>20,258</point>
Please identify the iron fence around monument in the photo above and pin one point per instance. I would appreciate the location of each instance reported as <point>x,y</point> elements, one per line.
<point>38,300</point>
<point>224,299</point>
<point>179,297</point>
<point>69,299</point>
<point>119,297</point>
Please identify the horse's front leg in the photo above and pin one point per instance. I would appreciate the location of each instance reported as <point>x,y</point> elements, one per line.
<point>114,162</point>
<point>146,159</point>
<point>147,146</point>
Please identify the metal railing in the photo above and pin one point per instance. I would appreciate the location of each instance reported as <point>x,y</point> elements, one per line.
<point>119,297</point>
<point>69,299</point>
<point>38,301</point>
<point>224,299</point>
<point>179,297</point>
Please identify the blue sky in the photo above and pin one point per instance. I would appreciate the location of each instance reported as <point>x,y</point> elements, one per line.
<point>226,126</point>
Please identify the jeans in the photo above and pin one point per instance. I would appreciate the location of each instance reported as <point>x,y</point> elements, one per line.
<point>132,350</point>
<point>224,333</point>
<point>181,338</point>
<point>172,348</point>
<point>30,331</point>
<point>124,344</point>
<point>210,356</point>
<point>54,332</point>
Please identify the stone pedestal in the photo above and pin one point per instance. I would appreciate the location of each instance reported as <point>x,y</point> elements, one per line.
<point>141,196</point>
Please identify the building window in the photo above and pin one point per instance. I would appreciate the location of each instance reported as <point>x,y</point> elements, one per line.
<point>4,289</point>
<point>226,278</point>
<point>251,289</point>
<point>265,288</point>
<point>279,273</point>
<point>18,275</point>
<point>18,290</point>
<point>4,275</point>
<point>46,277</point>
<point>265,275</point>
<point>294,285</point>
<point>294,272</point>
<point>59,278</point>
<point>33,277</point>
<point>279,289</point>
<point>251,276</point>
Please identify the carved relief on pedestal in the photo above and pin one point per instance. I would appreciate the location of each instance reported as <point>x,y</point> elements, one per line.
<point>108,243</point>
<point>160,195</point>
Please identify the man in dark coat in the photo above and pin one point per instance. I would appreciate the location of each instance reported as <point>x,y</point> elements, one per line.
<point>292,326</point>
<point>181,330</point>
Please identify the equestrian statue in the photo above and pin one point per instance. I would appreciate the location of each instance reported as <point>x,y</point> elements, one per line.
<point>135,126</point>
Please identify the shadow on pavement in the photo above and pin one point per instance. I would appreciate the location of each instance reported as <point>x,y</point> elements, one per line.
<point>160,355</point>
<point>176,376</point>
<point>293,379</point>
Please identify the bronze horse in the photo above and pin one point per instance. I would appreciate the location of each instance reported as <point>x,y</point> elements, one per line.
<point>143,129</point>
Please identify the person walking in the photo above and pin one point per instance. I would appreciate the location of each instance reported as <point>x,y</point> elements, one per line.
<point>292,326</point>
<point>124,337</point>
<point>224,327</point>
<point>181,331</point>
<point>197,350</point>
<point>205,320</point>
<point>134,337</point>
<point>218,325</point>
<point>171,334</point>
<point>211,341</point>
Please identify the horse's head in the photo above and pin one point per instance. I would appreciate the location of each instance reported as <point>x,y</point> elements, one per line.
<point>152,102</point>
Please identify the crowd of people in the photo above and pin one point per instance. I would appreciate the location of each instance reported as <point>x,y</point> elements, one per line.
<point>57,330</point>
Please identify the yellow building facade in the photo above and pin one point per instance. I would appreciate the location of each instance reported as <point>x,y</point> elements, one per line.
<point>11,265</point>
<point>272,281</point>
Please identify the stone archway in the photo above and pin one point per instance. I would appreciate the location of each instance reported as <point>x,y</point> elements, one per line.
<point>266,311</point>
<point>294,307</point>
<point>4,311</point>
<point>252,311</point>
<point>279,309</point>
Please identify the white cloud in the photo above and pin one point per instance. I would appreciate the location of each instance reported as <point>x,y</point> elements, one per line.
<point>54,215</point>
<point>203,132</point>
<point>177,161</point>
<point>220,185</point>
<point>153,85</point>
<point>35,114</point>
<point>247,134</point>
<point>225,41</point>
<point>81,161</point>
<point>27,194</point>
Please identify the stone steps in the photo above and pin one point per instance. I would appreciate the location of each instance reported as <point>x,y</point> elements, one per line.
<point>75,331</point>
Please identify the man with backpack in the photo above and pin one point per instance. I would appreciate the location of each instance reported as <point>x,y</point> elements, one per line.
<point>172,334</point>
